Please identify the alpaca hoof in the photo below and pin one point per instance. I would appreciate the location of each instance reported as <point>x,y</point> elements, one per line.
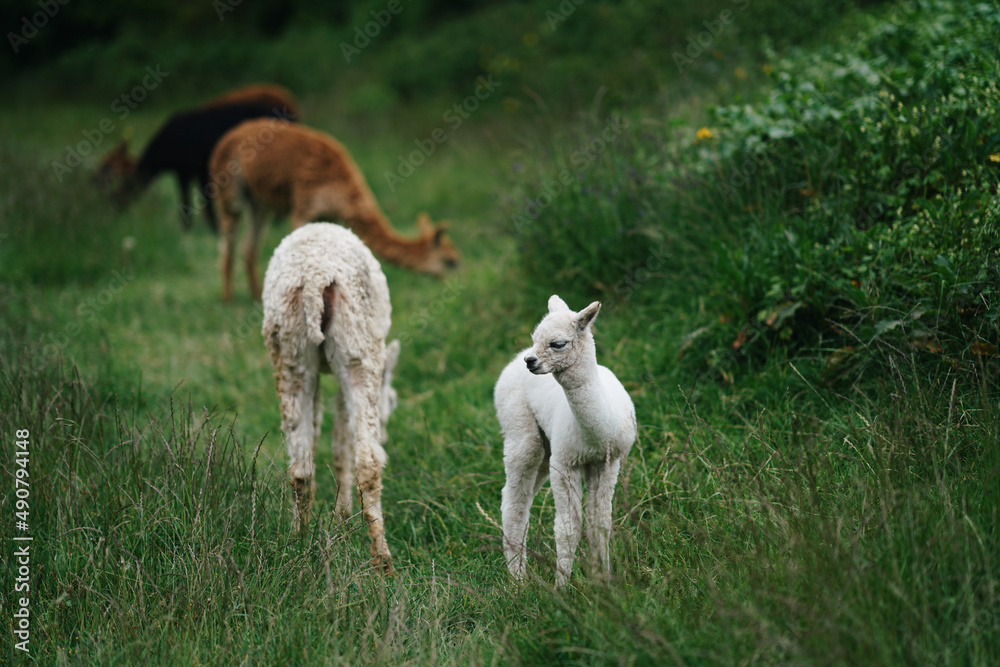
<point>386,563</point>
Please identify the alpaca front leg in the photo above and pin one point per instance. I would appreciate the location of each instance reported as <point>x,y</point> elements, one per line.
<point>186,209</point>
<point>343,457</point>
<point>600,480</point>
<point>523,462</point>
<point>208,202</point>
<point>568,496</point>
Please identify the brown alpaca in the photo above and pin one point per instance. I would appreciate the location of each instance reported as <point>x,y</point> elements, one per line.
<point>274,167</point>
<point>260,93</point>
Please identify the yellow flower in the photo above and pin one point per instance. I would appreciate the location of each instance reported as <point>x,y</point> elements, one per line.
<point>740,73</point>
<point>703,133</point>
<point>995,157</point>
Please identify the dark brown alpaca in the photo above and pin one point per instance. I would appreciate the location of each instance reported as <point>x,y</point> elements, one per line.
<point>184,143</point>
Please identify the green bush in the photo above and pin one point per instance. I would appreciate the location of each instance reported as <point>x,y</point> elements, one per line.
<point>854,205</point>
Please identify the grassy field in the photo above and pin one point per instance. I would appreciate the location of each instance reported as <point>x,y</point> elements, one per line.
<point>797,252</point>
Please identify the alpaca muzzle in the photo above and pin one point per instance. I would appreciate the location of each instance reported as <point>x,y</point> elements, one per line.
<point>533,364</point>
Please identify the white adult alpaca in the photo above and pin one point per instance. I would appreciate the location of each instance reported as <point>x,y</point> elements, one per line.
<point>562,415</point>
<point>326,309</point>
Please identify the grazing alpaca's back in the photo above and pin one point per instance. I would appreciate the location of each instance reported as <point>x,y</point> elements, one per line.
<point>562,416</point>
<point>278,98</point>
<point>182,146</point>
<point>301,172</point>
<point>327,310</point>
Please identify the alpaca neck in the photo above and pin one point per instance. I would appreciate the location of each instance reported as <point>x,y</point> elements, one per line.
<point>585,394</point>
<point>374,229</point>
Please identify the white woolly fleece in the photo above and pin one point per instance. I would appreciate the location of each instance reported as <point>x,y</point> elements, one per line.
<point>315,256</point>
<point>317,259</point>
<point>562,415</point>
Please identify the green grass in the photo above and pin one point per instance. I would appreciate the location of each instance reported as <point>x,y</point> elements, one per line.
<point>823,491</point>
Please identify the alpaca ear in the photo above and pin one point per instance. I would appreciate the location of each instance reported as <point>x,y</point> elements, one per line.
<point>556,304</point>
<point>586,316</point>
<point>424,225</point>
<point>439,234</point>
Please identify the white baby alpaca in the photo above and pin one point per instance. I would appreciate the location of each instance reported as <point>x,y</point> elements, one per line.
<point>562,415</point>
<point>327,310</point>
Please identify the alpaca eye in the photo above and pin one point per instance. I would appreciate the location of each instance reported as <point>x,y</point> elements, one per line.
<point>557,346</point>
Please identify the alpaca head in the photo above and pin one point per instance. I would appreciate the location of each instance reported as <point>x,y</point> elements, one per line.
<point>115,171</point>
<point>387,398</point>
<point>440,254</point>
<point>562,338</point>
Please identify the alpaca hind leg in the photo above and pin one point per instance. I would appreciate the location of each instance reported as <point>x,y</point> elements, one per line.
<point>359,382</point>
<point>229,219</point>
<point>297,389</point>
<point>343,457</point>
<point>600,480</point>
<point>251,248</point>
<point>567,493</point>
<point>317,415</point>
<point>524,465</point>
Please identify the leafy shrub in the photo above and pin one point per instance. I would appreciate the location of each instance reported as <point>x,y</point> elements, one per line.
<point>852,208</point>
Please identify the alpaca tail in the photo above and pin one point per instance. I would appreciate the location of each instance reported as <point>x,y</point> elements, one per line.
<point>297,305</point>
<point>317,312</point>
